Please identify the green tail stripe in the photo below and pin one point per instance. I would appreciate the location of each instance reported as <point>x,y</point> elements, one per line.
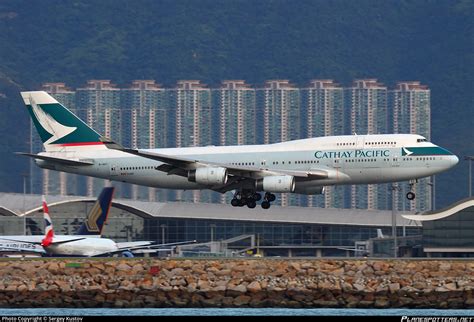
<point>83,133</point>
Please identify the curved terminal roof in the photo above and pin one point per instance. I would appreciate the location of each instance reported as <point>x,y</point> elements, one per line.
<point>19,204</point>
<point>443,213</point>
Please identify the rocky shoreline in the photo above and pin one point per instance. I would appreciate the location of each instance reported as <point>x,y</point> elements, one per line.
<point>289,283</point>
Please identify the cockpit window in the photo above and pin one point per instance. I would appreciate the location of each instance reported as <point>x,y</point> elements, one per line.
<point>422,140</point>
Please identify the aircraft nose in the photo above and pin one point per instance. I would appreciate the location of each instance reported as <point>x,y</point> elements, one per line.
<point>454,160</point>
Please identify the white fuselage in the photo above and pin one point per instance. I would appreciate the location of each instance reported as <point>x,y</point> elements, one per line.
<point>88,246</point>
<point>357,159</point>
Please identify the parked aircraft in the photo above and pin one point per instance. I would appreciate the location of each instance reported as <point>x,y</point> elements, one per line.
<point>88,241</point>
<point>301,166</point>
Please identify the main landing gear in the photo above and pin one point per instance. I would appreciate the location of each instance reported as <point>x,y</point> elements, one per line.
<point>250,198</point>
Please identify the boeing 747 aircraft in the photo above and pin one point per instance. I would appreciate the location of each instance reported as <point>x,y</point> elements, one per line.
<point>302,166</point>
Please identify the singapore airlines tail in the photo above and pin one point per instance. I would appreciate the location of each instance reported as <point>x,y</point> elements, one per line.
<point>59,128</point>
<point>96,218</point>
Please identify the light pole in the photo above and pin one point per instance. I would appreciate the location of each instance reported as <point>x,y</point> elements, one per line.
<point>163,231</point>
<point>213,229</point>
<point>432,184</point>
<point>470,158</point>
<point>394,219</point>
<point>24,175</point>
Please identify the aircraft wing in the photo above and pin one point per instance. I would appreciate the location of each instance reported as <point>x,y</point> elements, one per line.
<point>127,245</point>
<point>72,162</point>
<point>179,166</point>
<point>148,245</point>
<point>143,245</point>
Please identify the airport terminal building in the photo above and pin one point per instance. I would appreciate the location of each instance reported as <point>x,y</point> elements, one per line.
<point>281,231</point>
<point>288,231</point>
<point>448,232</point>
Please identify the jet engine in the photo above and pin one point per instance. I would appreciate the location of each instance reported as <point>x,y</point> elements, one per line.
<point>276,184</point>
<point>208,176</point>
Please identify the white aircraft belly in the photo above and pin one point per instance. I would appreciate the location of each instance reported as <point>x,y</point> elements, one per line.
<point>85,247</point>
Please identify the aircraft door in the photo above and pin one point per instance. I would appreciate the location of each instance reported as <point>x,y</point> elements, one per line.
<point>114,170</point>
<point>395,160</point>
<point>359,142</point>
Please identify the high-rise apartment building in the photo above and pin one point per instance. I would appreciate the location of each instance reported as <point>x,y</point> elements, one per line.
<point>192,103</point>
<point>324,100</point>
<point>145,124</point>
<point>194,125</point>
<point>280,102</point>
<point>323,105</point>
<point>236,103</point>
<point>98,104</point>
<point>145,112</point>
<point>367,102</point>
<point>412,114</point>
<point>411,109</point>
<point>281,111</point>
<point>368,106</point>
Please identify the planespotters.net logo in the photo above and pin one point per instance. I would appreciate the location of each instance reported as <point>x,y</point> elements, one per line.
<point>437,319</point>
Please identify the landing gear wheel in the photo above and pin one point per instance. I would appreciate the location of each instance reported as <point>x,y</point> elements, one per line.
<point>234,202</point>
<point>251,203</point>
<point>256,196</point>
<point>270,197</point>
<point>265,204</point>
<point>410,195</point>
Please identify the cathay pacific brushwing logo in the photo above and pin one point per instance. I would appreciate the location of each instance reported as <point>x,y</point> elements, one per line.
<point>49,124</point>
<point>406,152</point>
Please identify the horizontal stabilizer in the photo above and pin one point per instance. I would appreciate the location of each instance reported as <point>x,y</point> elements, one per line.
<point>57,160</point>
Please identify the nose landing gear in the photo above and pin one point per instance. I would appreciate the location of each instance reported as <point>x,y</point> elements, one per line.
<point>411,195</point>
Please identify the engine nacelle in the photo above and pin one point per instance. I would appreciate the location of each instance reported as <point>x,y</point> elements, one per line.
<point>208,176</point>
<point>276,184</point>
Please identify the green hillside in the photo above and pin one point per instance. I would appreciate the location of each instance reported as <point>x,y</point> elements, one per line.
<point>72,41</point>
